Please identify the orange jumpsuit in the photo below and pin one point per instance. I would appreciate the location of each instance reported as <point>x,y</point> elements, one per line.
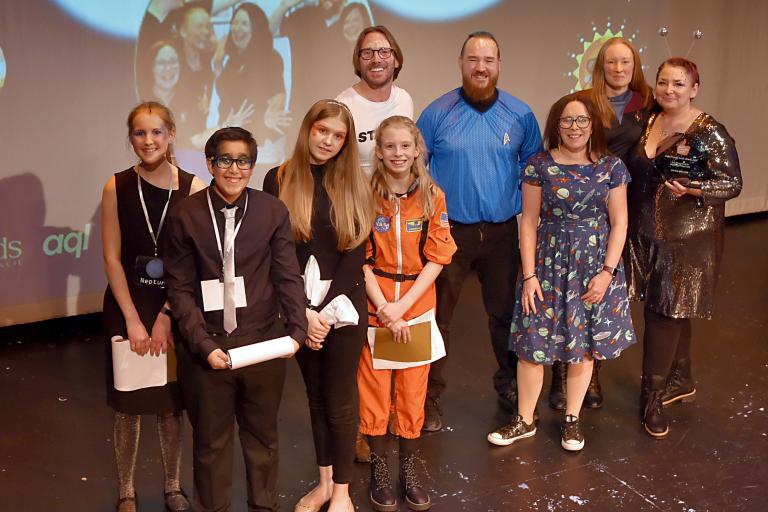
<point>400,242</point>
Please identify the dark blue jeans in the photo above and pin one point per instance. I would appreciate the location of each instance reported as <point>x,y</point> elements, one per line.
<point>492,250</point>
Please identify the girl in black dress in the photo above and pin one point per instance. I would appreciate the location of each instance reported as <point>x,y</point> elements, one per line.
<point>134,205</point>
<point>331,208</point>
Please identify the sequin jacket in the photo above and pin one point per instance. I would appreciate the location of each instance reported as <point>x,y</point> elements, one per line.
<point>675,244</point>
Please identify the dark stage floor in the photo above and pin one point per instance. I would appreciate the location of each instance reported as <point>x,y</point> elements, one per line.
<point>56,448</point>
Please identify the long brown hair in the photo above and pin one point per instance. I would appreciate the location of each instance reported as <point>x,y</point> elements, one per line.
<point>418,169</point>
<point>348,190</point>
<point>597,144</point>
<point>599,96</point>
<point>161,111</point>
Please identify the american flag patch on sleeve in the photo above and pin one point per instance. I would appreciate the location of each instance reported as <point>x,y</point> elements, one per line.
<point>444,219</point>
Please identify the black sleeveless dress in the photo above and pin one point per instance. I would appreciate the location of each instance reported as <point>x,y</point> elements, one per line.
<point>136,241</point>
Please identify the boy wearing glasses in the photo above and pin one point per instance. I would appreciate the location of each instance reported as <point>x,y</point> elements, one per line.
<point>233,280</point>
<point>377,59</point>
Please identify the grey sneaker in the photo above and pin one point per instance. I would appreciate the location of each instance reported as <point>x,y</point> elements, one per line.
<point>508,434</point>
<point>573,439</point>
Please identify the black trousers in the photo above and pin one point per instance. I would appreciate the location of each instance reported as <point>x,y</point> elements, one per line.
<point>665,341</point>
<point>215,399</point>
<point>330,375</point>
<point>493,251</point>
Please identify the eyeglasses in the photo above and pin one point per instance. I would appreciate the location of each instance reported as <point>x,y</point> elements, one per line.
<point>225,162</point>
<point>567,122</point>
<point>367,53</point>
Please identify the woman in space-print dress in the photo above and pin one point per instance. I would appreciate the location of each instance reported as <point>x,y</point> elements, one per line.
<point>571,244</point>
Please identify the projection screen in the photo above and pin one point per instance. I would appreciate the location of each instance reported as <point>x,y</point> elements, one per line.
<point>70,70</point>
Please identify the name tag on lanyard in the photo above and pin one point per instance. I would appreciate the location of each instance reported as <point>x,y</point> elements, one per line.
<point>213,289</point>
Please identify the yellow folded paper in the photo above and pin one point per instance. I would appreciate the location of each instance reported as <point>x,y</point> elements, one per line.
<point>418,349</point>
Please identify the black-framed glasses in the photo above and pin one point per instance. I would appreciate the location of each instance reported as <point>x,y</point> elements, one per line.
<point>567,122</point>
<point>384,53</point>
<point>224,162</point>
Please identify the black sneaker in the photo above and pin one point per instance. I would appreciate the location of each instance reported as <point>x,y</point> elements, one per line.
<point>508,434</point>
<point>433,420</point>
<point>573,439</point>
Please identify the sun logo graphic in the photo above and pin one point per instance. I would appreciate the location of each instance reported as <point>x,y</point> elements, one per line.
<point>585,61</point>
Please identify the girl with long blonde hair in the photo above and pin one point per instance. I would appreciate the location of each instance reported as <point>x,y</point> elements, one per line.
<point>330,206</point>
<point>410,244</point>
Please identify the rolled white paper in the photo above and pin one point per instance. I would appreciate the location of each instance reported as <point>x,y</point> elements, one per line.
<point>259,352</point>
<point>131,371</point>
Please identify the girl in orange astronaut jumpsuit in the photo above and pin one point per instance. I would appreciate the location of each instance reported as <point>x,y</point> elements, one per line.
<point>410,243</point>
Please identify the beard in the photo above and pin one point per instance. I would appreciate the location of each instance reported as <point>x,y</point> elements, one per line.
<point>477,93</point>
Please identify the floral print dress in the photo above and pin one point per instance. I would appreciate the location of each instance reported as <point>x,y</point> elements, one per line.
<point>571,243</point>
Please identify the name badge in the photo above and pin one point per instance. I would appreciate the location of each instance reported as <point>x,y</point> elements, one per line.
<point>148,272</point>
<point>213,294</point>
<point>413,226</point>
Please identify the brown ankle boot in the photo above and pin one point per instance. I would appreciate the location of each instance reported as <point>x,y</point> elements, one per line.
<point>362,450</point>
<point>594,397</point>
<point>557,390</point>
<point>415,496</point>
<point>381,494</point>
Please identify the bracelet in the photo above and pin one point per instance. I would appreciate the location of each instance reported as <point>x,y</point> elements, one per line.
<point>529,276</point>
<point>611,270</point>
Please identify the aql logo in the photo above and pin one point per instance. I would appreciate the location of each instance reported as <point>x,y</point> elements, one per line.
<point>75,242</point>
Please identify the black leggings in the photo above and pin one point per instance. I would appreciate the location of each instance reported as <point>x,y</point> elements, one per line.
<point>330,375</point>
<point>666,340</point>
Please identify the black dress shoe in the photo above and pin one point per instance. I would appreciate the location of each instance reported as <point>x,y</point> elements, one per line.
<point>433,413</point>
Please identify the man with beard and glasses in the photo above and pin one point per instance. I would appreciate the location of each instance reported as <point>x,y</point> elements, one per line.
<point>377,60</point>
<point>478,138</point>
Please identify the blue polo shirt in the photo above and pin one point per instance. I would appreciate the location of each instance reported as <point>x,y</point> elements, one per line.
<point>477,155</point>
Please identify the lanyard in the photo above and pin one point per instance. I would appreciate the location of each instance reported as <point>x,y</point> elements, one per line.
<point>146,214</point>
<point>216,226</point>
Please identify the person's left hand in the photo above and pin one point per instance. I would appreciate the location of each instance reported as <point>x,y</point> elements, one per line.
<point>597,288</point>
<point>680,190</point>
<point>400,331</point>
<point>160,335</point>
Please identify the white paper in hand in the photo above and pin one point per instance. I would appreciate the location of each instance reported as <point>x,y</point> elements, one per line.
<point>131,371</point>
<point>340,312</point>
<point>260,352</point>
<point>315,288</point>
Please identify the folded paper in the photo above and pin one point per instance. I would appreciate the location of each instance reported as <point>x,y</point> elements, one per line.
<point>131,371</point>
<point>404,356</point>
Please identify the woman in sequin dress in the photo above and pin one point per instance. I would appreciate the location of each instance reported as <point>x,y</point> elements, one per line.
<point>572,300</point>
<point>685,168</point>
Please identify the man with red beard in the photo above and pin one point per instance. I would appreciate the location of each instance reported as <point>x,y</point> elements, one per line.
<point>377,59</point>
<point>478,138</point>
